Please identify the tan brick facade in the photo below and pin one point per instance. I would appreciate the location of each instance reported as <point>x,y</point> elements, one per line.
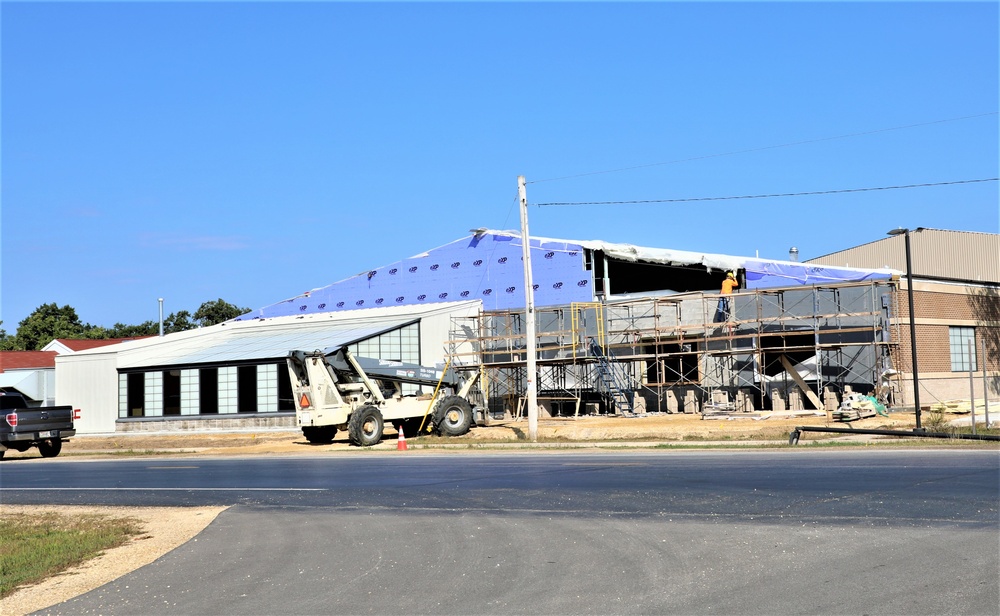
<point>938,308</point>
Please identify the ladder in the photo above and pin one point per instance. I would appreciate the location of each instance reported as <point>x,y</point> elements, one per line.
<point>613,380</point>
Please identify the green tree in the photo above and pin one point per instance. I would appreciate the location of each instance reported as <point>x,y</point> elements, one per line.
<point>6,341</point>
<point>177,322</point>
<point>47,323</point>
<point>121,330</point>
<point>213,313</point>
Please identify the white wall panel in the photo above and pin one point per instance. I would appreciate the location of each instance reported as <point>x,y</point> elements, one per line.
<point>89,383</point>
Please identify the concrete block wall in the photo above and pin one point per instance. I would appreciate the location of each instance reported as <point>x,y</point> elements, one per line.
<point>671,404</point>
<point>209,424</point>
<point>639,403</point>
<point>691,402</point>
<point>744,401</point>
<point>779,399</point>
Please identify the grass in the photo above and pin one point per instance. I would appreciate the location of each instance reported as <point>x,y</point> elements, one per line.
<point>37,546</point>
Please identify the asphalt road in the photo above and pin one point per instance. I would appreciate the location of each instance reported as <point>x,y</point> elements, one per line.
<point>754,532</point>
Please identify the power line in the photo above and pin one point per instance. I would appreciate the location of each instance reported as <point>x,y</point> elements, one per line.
<point>760,149</point>
<point>798,194</point>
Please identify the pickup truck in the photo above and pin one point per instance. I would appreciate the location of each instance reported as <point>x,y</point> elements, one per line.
<point>23,426</point>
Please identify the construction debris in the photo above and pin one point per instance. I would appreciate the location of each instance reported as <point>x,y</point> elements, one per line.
<point>758,415</point>
<point>858,406</point>
<point>962,407</point>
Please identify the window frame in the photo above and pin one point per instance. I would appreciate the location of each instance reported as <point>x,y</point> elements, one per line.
<point>958,348</point>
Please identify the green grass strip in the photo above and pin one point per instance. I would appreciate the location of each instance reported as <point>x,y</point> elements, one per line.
<point>34,547</point>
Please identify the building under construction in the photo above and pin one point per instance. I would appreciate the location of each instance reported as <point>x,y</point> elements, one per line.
<point>803,347</point>
<point>621,329</point>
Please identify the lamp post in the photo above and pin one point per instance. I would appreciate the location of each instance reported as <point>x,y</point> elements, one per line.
<point>913,328</point>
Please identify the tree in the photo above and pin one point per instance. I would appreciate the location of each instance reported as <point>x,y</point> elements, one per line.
<point>47,323</point>
<point>213,313</point>
<point>6,342</point>
<point>121,330</point>
<point>177,322</point>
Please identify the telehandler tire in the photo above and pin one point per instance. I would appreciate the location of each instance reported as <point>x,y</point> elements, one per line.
<point>319,435</point>
<point>455,415</point>
<point>365,426</point>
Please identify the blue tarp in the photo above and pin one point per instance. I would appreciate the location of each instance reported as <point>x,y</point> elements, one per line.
<point>762,274</point>
<point>486,267</point>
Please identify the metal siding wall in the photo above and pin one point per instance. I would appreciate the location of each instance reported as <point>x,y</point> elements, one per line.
<point>434,330</point>
<point>89,383</point>
<point>942,254</point>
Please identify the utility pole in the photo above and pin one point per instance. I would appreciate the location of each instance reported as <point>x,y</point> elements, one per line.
<point>529,315</point>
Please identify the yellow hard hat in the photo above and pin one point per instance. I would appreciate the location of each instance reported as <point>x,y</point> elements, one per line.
<point>731,274</point>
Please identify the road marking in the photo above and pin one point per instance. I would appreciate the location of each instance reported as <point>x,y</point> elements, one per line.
<point>170,467</point>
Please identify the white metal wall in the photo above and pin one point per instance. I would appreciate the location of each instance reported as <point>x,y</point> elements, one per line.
<point>434,331</point>
<point>89,383</point>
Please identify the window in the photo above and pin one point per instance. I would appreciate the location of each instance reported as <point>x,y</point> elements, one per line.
<point>401,344</point>
<point>246,389</point>
<point>960,338</point>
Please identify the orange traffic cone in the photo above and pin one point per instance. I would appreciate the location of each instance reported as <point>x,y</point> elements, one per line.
<point>401,442</point>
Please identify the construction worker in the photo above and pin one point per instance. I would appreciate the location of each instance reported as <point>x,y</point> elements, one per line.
<point>730,283</point>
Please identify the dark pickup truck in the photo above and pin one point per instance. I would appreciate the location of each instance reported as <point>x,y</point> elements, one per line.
<point>23,427</point>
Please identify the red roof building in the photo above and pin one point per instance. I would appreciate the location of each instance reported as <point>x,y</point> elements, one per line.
<point>27,360</point>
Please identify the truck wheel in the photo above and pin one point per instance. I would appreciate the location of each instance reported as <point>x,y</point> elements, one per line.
<point>50,447</point>
<point>365,426</point>
<point>319,435</point>
<point>456,416</point>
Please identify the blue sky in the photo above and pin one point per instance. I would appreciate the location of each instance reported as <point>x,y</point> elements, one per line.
<point>253,151</point>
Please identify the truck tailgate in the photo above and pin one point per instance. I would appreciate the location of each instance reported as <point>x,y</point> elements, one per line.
<point>43,419</point>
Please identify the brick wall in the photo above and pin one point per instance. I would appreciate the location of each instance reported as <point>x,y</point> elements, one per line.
<point>937,311</point>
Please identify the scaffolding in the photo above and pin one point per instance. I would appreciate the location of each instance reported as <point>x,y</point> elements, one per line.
<point>777,349</point>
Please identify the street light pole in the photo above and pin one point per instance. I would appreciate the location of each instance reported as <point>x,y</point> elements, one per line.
<point>913,327</point>
<point>529,316</point>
